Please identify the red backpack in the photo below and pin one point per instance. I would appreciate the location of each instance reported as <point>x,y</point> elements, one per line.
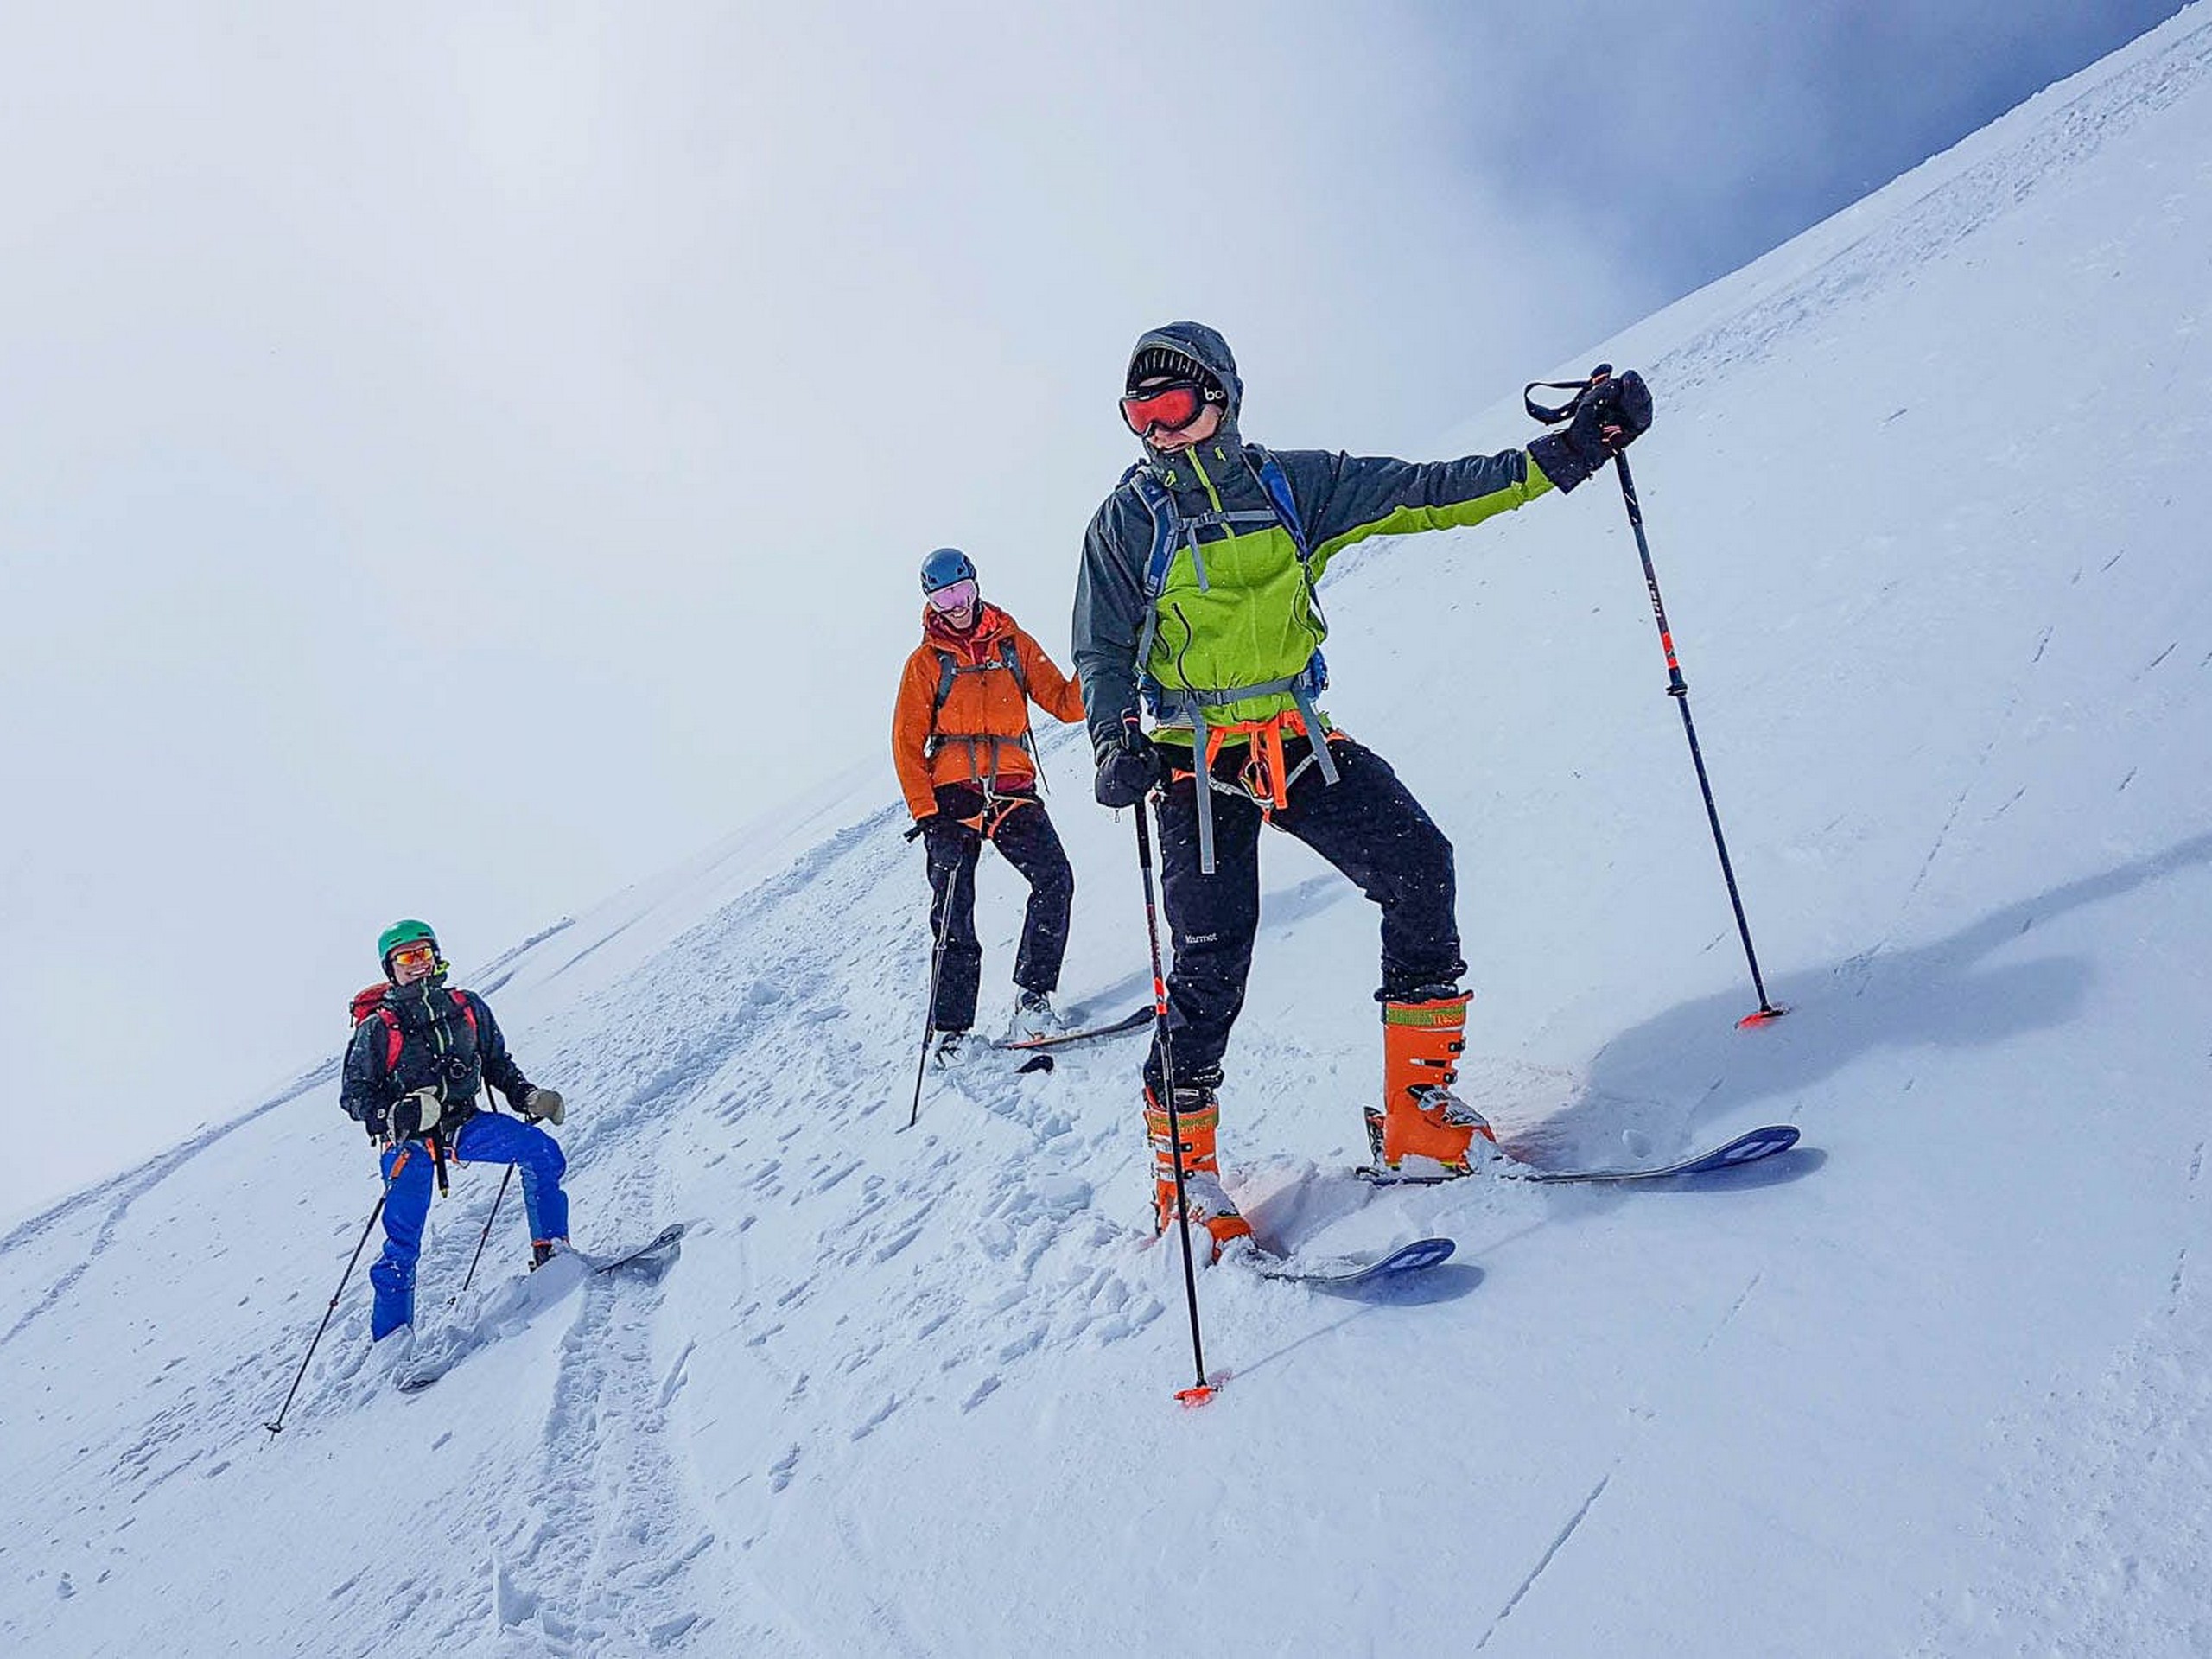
<point>368,1003</point>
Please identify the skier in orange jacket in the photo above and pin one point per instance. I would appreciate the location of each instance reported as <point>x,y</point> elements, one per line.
<point>960,738</point>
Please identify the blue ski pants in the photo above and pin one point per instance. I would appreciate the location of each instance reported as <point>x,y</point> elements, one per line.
<point>410,1173</point>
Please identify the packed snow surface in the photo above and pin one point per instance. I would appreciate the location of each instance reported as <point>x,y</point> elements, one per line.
<point>1929,495</point>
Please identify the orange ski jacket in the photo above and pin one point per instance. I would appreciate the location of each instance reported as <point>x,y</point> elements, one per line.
<point>963,712</point>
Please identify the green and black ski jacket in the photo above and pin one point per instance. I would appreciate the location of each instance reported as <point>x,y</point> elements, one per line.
<point>1239,609</point>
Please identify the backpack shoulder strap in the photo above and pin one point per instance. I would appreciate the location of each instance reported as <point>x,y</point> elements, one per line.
<point>1166,522</point>
<point>1166,526</point>
<point>1276,483</point>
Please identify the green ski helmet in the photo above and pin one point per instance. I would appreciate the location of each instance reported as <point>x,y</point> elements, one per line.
<point>399,933</point>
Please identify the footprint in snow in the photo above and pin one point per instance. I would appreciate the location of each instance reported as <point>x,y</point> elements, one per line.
<point>779,1472</point>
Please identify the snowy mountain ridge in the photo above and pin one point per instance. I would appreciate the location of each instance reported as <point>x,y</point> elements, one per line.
<point>1926,495</point>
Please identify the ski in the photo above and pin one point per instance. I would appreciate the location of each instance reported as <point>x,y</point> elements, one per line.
<point>1746,1148</point>
<point>1136,1021</point>
<point>972,1061</point>
<point>1361,1267</point>
<point>649,1260</point>
<point>654,1246</point>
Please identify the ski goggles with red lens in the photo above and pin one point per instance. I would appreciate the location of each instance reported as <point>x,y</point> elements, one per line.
<point>1173,407</point>
<point>415,956</point>
<point>957,597</point>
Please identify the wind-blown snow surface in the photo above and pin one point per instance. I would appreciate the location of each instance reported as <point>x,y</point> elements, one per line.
<point>1929,495</point>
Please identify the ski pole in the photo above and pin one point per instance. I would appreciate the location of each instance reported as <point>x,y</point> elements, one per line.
<point>939,927</point>
<point>484,1236</point>
<point>277,1426</point>
<point>1677,687</point>
<point>490,1105</point>
<point>1201,1391</point>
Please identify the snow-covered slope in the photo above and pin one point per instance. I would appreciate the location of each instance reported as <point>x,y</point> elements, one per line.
<point>1928,497</point>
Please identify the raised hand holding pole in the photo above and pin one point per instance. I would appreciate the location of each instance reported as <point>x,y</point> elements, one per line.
<point>1677,687</point>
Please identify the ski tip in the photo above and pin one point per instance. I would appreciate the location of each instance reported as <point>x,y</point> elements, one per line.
<point>1762,1143</point>
<point>1762,1017</point>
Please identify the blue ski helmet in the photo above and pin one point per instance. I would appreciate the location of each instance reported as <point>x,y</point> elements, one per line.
<point>944,566</point>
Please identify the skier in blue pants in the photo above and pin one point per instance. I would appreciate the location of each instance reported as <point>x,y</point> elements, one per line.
<point>420,1051</point>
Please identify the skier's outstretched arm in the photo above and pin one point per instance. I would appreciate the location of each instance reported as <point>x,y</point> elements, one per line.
<point>1346,499</point>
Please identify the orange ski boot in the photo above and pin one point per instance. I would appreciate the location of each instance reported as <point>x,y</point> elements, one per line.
<point>1198,1113</point>
<point>1421,1118</point>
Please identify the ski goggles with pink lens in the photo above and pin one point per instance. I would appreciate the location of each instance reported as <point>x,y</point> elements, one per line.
<point>957,597</point>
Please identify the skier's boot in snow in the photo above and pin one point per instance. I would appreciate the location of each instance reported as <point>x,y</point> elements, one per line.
<point>1422,1119</point>
<point>1198,1113</point>
<point>1035,1016</point>
<point>953,1048</point>
<point>542,1251</point>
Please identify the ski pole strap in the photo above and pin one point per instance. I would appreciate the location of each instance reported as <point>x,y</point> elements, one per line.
<point>1566,412</point>
<point>437,1140</point>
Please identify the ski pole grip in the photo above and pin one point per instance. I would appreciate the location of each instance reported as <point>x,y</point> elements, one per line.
<point>1550,415</point>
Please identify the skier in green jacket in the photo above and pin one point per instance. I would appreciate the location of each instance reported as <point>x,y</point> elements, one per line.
<point>1197,600</point>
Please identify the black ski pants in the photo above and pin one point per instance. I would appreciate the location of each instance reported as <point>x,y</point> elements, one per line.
<point>1017,825</point>
<point>1366,824</point>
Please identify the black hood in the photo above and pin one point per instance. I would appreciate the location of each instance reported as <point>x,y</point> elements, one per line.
<point>1203,347</point>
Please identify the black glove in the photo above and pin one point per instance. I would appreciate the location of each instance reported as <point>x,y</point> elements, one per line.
<point>373,1122</point>
<point>1128,771</point>
<point>415,1115</point>
<point>1608,417</point>
<point>943,837</point>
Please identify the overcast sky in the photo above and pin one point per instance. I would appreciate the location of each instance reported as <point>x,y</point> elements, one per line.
<point>457,460</point>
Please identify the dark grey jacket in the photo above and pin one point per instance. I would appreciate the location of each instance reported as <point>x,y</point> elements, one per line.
<point>1242,613</point>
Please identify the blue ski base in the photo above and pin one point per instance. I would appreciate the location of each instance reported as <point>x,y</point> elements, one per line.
<point>1746,1148</point>
<point>1365,1268</point>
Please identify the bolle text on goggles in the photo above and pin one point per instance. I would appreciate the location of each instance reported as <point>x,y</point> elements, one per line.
<point>1173,407</point>
<point>957,597</point>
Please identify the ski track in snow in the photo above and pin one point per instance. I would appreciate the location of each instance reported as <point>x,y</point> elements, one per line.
<point>118,1194</point>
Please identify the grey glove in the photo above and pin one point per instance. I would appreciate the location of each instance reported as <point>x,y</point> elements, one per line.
<point>545,1105</point>
<point>415,1115</point>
